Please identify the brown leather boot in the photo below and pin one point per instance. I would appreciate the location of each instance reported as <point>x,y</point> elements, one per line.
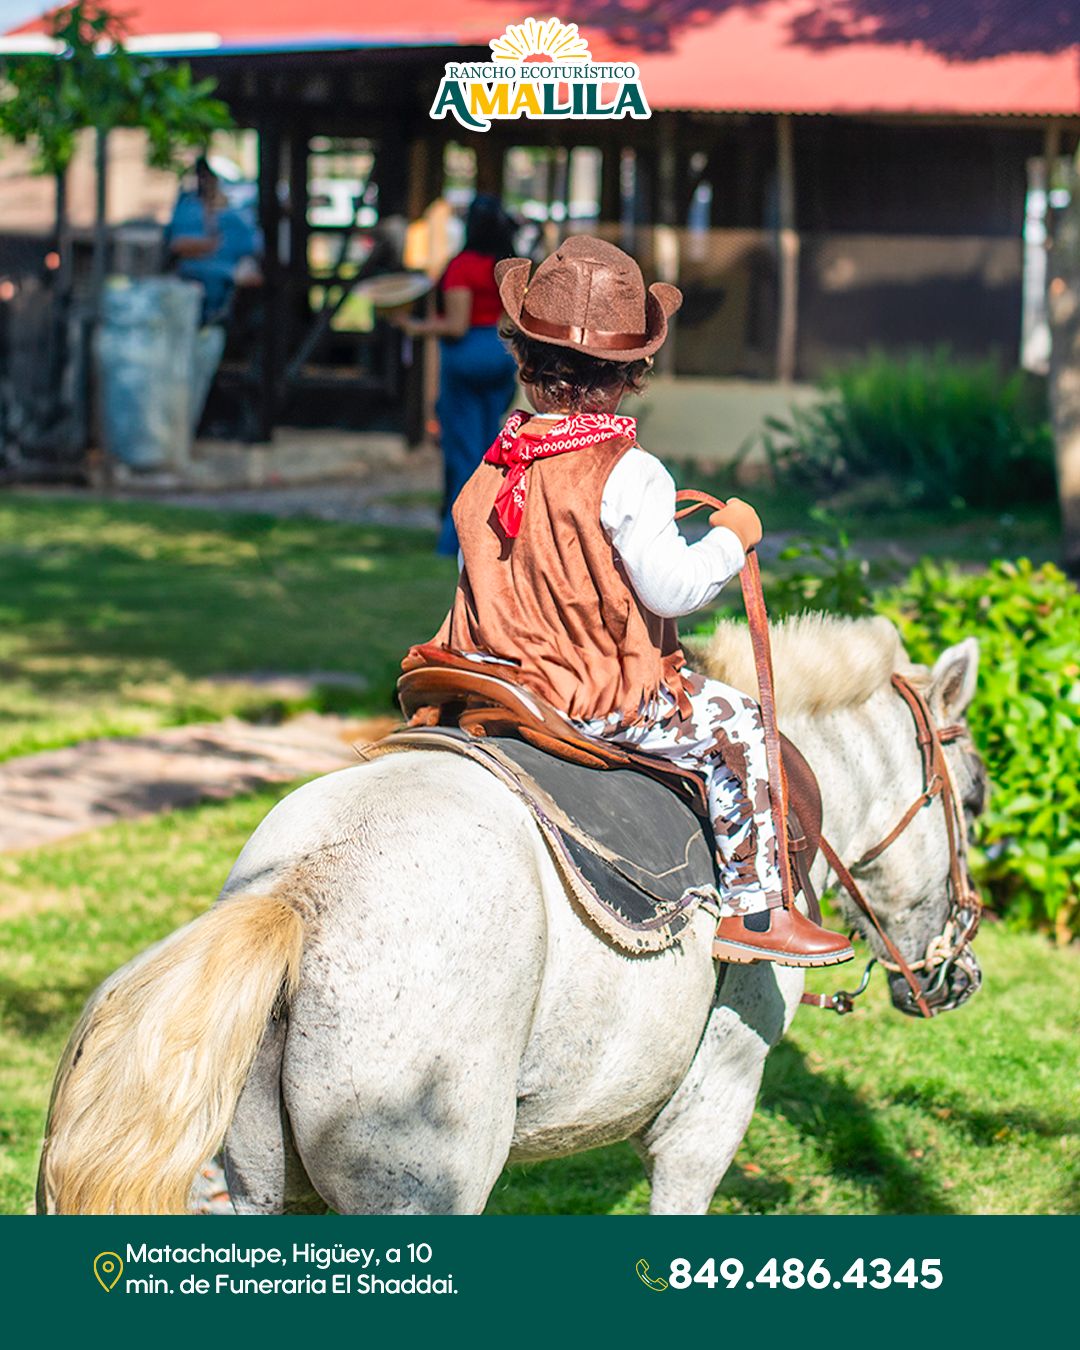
<point>781,935</point>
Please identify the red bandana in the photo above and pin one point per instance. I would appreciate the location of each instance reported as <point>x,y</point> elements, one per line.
<point>516,453</point>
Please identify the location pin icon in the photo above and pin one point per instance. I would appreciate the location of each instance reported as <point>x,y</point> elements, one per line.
<point>107,1269</point>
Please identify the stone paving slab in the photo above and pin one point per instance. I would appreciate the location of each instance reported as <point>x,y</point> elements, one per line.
<point>57,793</point>
<point>49,796</point>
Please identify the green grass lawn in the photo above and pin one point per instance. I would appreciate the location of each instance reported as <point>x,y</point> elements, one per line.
<point>975,1112</point>
<point>893,537</point>
<point>113,615</point>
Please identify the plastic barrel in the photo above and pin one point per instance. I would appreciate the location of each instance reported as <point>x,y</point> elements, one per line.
<point>146,368</point>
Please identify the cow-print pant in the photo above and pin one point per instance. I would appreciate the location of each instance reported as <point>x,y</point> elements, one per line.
<point>723,740</point>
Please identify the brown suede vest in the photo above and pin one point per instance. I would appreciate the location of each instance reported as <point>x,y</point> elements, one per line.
<point>555,600</point>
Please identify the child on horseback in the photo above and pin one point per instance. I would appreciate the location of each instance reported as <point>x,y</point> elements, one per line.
<point>574,571</point>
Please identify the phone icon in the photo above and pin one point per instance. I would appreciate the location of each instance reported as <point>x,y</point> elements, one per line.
<point>653,1281</point>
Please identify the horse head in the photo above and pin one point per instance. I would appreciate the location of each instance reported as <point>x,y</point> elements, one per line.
<point>916,876</point>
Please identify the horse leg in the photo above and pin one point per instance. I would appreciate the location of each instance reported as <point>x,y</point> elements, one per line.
<point>417,990</point>
<point>262,1167</point>
<point>397,1119</point>
<point>689,1146</point>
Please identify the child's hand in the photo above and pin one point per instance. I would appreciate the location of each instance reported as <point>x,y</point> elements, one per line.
<point>741,518</point>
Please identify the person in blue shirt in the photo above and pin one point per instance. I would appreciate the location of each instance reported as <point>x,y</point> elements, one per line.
<point>213,244</point>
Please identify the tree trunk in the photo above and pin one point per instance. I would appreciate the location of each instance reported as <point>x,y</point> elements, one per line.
<point>64,348</point>
<point>62,232</point>
<point>101,221</point>
<point>1063,304</point>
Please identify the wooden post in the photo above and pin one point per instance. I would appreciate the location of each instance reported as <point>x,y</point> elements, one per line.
<point>489,166</point>
<point>665,231</point>
<point>420,378</point>
<point>559,189</point>
<point>392,172</point>
<point>629,193</point>
<point>92,320</point>
<point>1050,156</point>
<point>295,305</point>
<point>610,191</point>
<point>425,178</point>
<point>788,241</point>
<point>101,220</point>
<point>62,227</point>
<point>1063,383</point>
<point>267,392</point>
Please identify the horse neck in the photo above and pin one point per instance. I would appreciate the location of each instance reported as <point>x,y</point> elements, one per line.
<point>868,766</point>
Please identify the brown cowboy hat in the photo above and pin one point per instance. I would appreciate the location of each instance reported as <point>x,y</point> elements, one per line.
<point>588,295</point>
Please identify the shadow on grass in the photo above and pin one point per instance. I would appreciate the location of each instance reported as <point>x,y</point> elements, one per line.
<point>824,1110</point>
<point>37,1014</point>
<point>586,1183</point>
<point>989,1129</point>
<point>849,1133</point>
<point>985,1127</point>
<point>151,592</point>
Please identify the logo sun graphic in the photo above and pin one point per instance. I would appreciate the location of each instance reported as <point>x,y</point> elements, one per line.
<point>548,41</point>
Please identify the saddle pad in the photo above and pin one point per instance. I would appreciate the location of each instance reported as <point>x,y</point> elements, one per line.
<point>634,855</point>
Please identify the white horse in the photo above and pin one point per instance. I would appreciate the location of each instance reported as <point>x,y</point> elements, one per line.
<point>394,996</point>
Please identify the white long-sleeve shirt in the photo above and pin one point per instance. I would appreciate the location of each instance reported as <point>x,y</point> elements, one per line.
<point>669,576</point>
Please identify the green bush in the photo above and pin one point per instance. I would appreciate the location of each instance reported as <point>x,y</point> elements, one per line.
<point>829,576</point>
<point>1025,720</point>
<point>931,429</point>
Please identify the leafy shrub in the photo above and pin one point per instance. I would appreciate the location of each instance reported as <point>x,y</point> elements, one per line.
<point>939,431</point>
<point>1025,720</point>
<point>829,577</point>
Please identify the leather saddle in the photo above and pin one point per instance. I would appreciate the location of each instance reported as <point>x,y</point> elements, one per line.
<point>441,688</point>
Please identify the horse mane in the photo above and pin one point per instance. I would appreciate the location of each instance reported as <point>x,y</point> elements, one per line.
<point>822,663</point>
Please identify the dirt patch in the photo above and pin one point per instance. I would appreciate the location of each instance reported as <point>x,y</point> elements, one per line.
<point>50,796</point>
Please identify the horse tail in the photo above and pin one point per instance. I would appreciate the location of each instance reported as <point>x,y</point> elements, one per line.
<point>148,1084</point>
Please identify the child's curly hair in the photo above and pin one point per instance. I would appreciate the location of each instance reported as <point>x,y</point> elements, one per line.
<point>571,378</point>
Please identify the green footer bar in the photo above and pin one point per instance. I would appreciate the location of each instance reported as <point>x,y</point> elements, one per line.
<point>536,1280</point>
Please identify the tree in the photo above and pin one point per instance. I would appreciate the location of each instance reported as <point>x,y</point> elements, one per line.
<point>92,81</point>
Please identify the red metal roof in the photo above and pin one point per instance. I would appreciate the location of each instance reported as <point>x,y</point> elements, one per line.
<point>835,56</point>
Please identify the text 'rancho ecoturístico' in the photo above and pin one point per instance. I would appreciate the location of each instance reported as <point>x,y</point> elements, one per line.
<point>540,71</point>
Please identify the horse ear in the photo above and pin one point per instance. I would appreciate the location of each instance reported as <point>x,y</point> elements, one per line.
<point>953,680</point>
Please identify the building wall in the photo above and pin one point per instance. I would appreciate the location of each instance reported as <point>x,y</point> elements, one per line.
<point>910,234</point>
<point>897,291</point>
<point>136,192</point>
<point>917,178</point>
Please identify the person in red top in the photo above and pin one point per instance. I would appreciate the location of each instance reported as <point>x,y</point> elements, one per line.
<point>476,372</point>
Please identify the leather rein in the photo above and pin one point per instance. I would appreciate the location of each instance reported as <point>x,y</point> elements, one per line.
<point>965,906</point>
<point>758,621</point>
<point>962,921</point>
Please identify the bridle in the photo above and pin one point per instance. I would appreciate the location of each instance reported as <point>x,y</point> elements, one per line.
<point>948,947</point>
